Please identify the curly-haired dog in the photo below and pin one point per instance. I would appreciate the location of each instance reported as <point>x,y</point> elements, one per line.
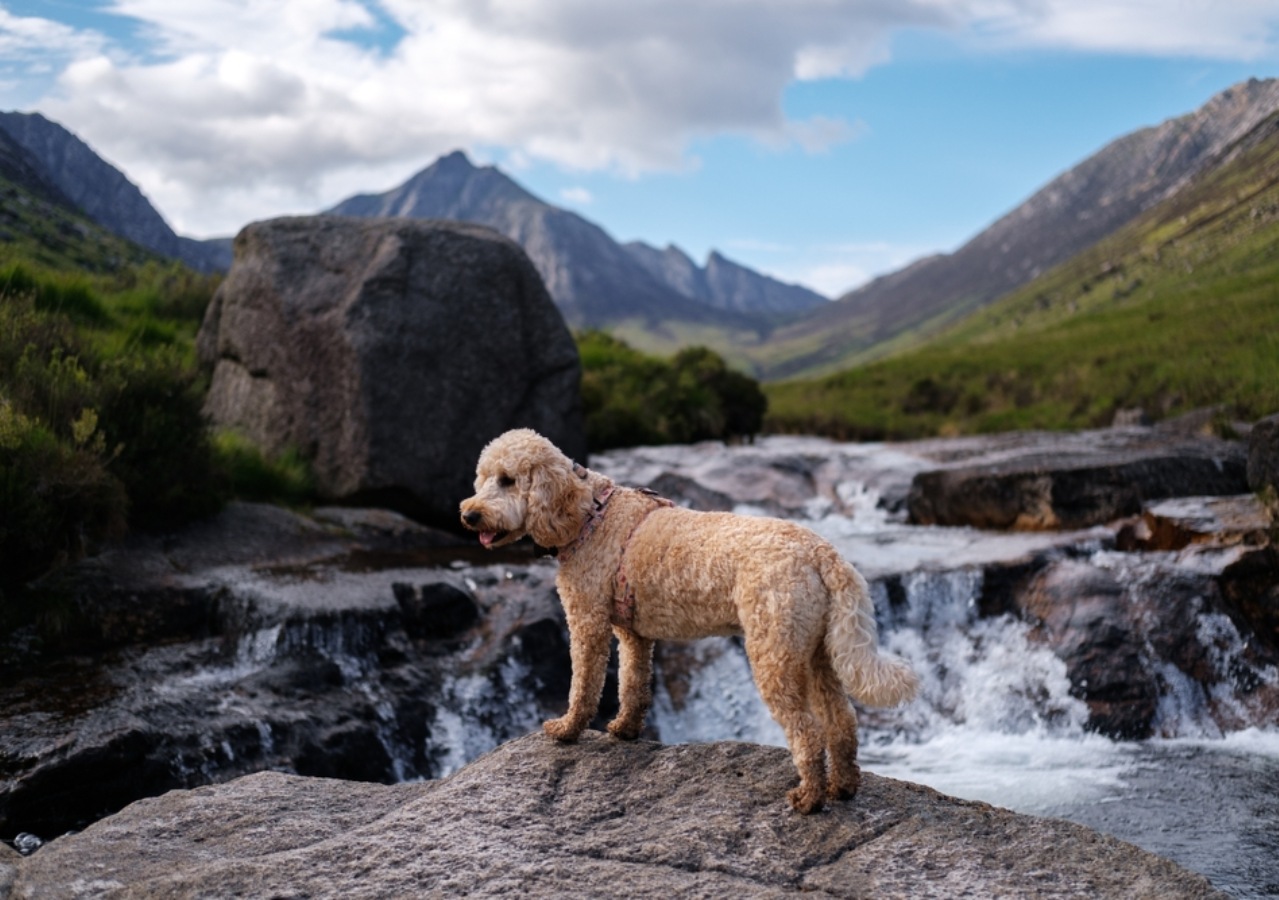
<point>634,565</point>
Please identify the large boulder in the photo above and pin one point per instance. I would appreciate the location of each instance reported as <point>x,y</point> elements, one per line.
<point>387,352</point>
<point>599,818</point>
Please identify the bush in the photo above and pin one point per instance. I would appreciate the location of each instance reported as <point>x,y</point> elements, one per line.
<point>96,432</point>
<point>631,398</point>
<point>56,497</point>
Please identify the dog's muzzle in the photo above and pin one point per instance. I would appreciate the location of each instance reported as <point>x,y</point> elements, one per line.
<point>474,520</point>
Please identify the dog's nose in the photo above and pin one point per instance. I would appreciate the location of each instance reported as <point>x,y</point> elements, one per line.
<point>472,517</point>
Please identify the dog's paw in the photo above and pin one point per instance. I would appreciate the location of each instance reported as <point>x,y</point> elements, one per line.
<point>844,787</point>
<point>624,729</point>
<point>562,729</point>
<point>806,799</point>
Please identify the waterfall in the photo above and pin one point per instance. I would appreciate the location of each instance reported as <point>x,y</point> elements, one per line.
<point>477,711</point>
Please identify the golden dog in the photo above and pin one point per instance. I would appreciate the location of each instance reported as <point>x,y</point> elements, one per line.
<point>635,566</point>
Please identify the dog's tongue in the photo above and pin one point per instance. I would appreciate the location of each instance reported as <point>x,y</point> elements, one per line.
<point>487,537</point>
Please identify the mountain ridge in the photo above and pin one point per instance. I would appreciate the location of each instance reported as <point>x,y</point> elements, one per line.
<point>104,193</point>
<point>1071,212</point>
<point>1176,311</point>
<point>595,281</point>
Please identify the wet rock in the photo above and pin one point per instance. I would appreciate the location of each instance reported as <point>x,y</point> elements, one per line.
<point>1083,614</point>
<point>781,476</point>
<point>1175,524</point>
<point>369,345</point>
<point>1156,643</point>
<point>435,612</point>
<point>685,491</point>
<point>1090,478</point>
<point>1263,455</point>
<point>1250,586</point>
<point>550,820</point>
<point>301,659</point>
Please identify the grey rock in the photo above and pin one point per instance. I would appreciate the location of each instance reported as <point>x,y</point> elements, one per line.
<point>388,352</point>
<point>1182,521</point>
<point>598,818</point>
<point>267,640</point>
<point>1263,455</point>
<point>1128,624</point>
<point>1086,479</point>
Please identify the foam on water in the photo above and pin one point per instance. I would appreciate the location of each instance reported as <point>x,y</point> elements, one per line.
<point>477,712</point>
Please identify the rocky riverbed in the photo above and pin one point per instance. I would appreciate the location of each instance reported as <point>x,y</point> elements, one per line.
<point>357,645</point>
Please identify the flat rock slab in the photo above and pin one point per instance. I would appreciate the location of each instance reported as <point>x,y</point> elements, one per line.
<point>599,818</point>
<point>1177,523</point>
<point>1041,482</point>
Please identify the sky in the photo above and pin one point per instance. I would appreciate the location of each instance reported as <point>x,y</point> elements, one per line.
<point>820,141</point>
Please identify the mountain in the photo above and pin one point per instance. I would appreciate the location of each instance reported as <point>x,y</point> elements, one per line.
<point>103,193</point>
<point>595,281</point>
<point>38,222</point>
<point>723,283</point>
<point>1175,311</point>
<point>1071,212</point>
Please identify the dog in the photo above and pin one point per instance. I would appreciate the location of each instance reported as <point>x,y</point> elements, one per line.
<point>635,566</point>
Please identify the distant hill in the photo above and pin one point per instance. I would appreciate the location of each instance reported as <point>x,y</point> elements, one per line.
<point>1073,211</point>
<point>103,192</point>
<point>1175,311</point>
<point>39,223</point>
<point>595,281</point>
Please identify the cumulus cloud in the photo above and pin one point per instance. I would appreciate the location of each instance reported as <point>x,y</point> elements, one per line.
<point>232,109</point>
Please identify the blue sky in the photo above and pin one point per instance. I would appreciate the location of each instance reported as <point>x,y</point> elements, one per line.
<point>820,141</point>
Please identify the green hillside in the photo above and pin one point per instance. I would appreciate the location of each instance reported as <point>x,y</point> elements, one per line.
<point>1176,311</point>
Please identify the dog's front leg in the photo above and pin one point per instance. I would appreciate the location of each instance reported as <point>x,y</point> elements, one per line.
<point>588,637</point>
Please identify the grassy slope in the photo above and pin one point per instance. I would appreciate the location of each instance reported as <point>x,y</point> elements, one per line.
<point>119,295</point>
<point>1178,310</point>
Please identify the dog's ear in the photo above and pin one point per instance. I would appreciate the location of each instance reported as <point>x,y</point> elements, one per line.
<point>558,501</point>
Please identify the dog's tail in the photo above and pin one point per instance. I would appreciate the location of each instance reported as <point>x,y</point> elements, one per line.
<point>852,641</point>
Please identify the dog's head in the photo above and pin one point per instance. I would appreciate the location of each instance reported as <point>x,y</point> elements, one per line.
<point>524,485</point>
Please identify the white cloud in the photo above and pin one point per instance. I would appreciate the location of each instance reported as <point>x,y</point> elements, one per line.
<point>37,40</point>
<point>1226,29</point>
<point>234,109</point>
<point>829,269</point>
<point>578,196</point>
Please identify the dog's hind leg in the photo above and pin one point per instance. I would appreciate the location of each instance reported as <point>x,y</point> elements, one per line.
<point>635,676</point>
<point>784,679</point>
<point>840,723</point>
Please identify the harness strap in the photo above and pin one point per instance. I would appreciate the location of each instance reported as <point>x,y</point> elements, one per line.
<point>591,523</point>
<point>624,600</point>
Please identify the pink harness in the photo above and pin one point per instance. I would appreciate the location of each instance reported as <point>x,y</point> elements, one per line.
<point>623,614</point>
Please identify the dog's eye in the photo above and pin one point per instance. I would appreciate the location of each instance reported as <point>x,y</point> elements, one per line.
<point>505,481</point>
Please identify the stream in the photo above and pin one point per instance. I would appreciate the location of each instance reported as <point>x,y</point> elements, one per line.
<point>400,665</point>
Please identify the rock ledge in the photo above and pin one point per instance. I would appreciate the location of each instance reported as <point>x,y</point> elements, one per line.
<point>539,819</point>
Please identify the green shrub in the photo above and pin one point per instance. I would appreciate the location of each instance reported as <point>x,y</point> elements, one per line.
<point>100,428</point>
<point>631,398</point>
<point>56,496</point>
